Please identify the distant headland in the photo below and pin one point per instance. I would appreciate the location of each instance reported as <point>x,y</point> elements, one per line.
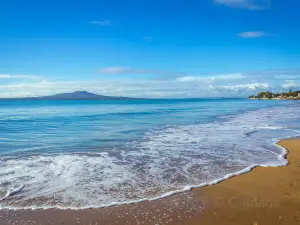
<point>291,95</point>
<point>77,95</point>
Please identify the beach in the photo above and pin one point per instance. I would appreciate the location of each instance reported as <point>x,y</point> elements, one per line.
<point>263,196</point>
<point>150,113</point>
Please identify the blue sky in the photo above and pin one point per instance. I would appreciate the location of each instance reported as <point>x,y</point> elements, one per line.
<point>182,48</point>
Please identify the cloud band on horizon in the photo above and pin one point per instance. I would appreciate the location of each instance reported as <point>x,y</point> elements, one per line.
<point>178,86</point>
<point>19,76</point>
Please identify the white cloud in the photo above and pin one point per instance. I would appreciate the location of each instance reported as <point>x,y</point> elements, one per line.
<point>253,34</point>
<point>189,79</point>
<point>251,87</point>
<point>101,23</point>
<point>289,84</point>
<point>207,79</point>
<point>245,4</point>
<point>174,86</point>
<point>138,88</point>
<point>19,76</point>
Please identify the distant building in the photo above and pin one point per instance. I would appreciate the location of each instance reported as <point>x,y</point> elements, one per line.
<point>299,95</point>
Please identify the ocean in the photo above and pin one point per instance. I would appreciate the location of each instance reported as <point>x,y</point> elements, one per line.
<point>85,154</point>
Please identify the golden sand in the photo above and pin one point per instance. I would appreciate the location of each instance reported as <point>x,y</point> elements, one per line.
<point>265,196</point>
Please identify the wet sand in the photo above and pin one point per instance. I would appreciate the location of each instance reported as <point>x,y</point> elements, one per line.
<point>265,196</point>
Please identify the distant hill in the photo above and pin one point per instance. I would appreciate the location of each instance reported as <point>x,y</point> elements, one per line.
<point>77,95</point>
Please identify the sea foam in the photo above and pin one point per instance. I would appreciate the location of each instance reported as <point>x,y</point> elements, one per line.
<point>164,162</point>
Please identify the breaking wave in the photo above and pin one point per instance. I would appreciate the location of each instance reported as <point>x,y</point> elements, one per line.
<point>165,161</point>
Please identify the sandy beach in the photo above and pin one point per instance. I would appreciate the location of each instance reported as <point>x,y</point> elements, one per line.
<point>265,196</point>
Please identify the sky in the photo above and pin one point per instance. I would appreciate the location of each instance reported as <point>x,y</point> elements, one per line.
<point>149,48</point>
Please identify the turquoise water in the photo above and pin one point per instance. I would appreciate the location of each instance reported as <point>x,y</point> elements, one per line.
<point>77,154</point>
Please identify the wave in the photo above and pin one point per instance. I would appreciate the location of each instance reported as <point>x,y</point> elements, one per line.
<point>164,162</point>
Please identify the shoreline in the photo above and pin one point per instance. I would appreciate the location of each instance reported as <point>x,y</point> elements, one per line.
<point>211,204</point>
<point>276,99</point>
<point>170,193</point>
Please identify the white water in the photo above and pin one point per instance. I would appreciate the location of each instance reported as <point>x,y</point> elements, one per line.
<point>166,161</point>
<point>12,192</point>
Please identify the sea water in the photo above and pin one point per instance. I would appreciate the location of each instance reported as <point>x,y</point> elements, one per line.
<point>82,154</point>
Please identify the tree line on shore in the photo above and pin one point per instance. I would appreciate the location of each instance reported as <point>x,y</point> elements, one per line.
<point>270,95</point>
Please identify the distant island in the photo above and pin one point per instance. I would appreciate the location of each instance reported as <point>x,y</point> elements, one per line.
<point>77,95</point>
<point>291,95</point>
